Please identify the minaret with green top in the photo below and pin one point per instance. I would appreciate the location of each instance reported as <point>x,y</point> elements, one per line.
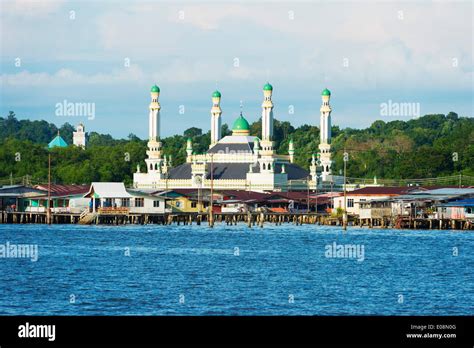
<point>154,160</point>
<point>267,113</point>
<point>291,150</point>
<point>267,159</point>
<point>216,118</point>
<point>189,149</point>
<point>325,135</point>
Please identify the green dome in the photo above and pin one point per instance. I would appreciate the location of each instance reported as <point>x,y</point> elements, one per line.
<point>155,89</point>
<point>58,141</point>
<point>241,124</point>
<point>268,87</point>
<point>326,92</point>
<point>216,94</point>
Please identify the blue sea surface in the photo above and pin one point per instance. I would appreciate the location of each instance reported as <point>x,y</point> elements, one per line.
<point>235,270</point>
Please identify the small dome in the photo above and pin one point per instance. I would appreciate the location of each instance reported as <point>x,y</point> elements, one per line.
<point>268,87</point>
<point>155,89</point>
<point>326,92</point>
<point>216,94</point>
<point>58,141</point>
<point>241,124</point>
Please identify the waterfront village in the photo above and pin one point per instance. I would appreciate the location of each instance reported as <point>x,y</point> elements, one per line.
<point>243,179</point>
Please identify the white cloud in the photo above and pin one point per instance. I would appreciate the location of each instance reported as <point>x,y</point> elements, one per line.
<point>67,77</point>
<point>30,8</point>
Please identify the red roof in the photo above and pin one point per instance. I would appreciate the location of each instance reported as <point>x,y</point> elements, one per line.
<point>243,195</point>
<point>64,190</point>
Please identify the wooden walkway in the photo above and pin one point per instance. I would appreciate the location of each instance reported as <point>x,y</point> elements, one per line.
<point>250,219</point>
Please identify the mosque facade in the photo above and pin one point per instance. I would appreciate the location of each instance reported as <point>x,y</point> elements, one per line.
<point>239,161</point>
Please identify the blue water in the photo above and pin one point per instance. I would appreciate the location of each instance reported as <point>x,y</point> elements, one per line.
<point>234,270</point>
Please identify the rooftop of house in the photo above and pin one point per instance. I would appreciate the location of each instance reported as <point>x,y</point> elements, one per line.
<point>18,191</point>
<point>382,191</point>
<point>469,202</point>
<point>64,190</point>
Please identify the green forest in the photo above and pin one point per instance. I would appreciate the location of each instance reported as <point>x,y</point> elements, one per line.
<point>426,147</point>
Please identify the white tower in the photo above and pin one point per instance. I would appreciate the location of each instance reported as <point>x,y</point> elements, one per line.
<point>79,136</point>
<point>325,135</point>
<point>267,159</point>
<point>267,113</point>
<point>189,149</point>
<point>291,151</point>
<point>154,160</point>
<point>215,118</point>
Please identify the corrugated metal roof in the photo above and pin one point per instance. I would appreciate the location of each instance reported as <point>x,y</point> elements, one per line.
<point>381,190</point>
<point>449,191</point>
<point>108,190</point>
<point>461,203</point>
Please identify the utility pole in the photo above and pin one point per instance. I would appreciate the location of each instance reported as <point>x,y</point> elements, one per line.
<point>211,211</point>
<point>316,208</point>
<point>344,216</point>
<point>307,181</point>
<point>48,214</point>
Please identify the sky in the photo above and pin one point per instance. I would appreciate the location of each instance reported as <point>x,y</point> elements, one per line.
<point>108,54</point>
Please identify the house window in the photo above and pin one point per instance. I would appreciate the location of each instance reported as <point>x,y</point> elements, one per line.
<point>139,202</point>
<point>178,204</point>
<point>193,204</point>
<point>350,203</point>
<point>108,202</point>
<point>156,204</point>
<point>125,202</point>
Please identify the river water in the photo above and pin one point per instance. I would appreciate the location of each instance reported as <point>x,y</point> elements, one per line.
<point>234,270</point>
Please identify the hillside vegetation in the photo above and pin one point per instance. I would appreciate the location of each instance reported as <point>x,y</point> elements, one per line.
<point>430,146</point>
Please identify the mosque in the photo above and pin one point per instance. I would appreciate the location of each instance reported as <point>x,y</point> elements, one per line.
<point>240,161</point>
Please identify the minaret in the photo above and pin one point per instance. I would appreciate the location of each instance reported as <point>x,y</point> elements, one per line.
<point>154,145</point>
<point>79,136</point>
<point>215,118</point>
<point>267,159</point>
<point>291,150</point>
<point>256,146</point>
<point>325,135</point>
<point>312,169</point>
<point>189,149</point>
<point>267,113</point>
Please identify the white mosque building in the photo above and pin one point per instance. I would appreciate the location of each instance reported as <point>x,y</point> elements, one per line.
<point>240,161</point>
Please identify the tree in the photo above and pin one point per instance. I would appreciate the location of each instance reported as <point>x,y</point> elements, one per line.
<point>192,132</point>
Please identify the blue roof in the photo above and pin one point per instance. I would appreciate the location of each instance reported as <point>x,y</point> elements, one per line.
<point>57,141</point>
<point>469,202</point>
<point>448,191</point>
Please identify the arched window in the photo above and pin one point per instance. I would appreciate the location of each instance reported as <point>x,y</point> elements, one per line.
<point>151,166</point>
<point>264,166</point>
<point>156,166</point>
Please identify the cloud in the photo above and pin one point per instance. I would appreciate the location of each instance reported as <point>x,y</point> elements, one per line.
<point>30,8</point>
<point>67,77</point>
